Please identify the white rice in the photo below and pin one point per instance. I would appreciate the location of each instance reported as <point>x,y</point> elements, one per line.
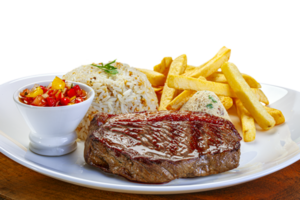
<point>128,91</point>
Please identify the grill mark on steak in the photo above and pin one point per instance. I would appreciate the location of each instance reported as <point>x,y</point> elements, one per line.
<point>161,146</point>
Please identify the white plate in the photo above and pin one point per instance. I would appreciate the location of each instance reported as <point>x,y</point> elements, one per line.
<point>271,151</point>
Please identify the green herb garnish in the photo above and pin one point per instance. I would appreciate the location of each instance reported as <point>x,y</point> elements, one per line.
<point>210,106</point>
<point>212,99</point>
<point>108,68</point>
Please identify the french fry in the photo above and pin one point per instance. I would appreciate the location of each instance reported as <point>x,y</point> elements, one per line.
<point>226,101</point>
<point>189,68</point>
<point>187,83</point>
<point>212,65</point>
<point>221,89</point>
<point>260,95</point>
<point>164,66</point>
<point>155,78</point>
<point>247,121</point>
<point>247,96</point>
<point>251,81</point>
<point>217,77</point>
<point>220,78</point>
<point>157,89</point>
<point>276,114</point>
<point>177,67</point>
<point>180,100</point>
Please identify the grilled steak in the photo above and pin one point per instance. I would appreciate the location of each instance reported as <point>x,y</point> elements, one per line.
<point>161,146</point>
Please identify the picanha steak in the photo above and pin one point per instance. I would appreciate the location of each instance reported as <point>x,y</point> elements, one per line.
<point>157,147</point>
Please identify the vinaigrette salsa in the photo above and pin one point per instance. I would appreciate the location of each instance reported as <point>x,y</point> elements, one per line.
<point>58,93</point>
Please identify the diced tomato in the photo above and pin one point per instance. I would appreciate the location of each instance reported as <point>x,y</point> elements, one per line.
<point>52,92</point>
<point>39,101</point>
<point>59,95</point>
<point>83,93</point>
<point>71,93</point>
<point>76,87</point>
<point>28,100</point>
<point>78,100</point>
<point>77,90</point>
<point>51,101</point>
<point>65,100</point>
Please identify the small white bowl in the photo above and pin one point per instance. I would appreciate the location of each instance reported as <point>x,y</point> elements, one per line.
<point>53,128</point>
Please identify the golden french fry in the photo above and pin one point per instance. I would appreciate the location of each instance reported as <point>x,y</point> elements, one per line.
<point>189,68</point>
<point>226,101</point>
<point>180,100</point>
<point>276,114</point>
<point>221,89</point>
<point>160,66</point>
<point>247,121</point>
<point>219,77</point>
<point>155,78</point>
<point>260,95</point>
<point>251,81</point>
<point>187,83</point>
<point>163,65</point>
<point>158,88</point>
<point>177,67</point>
<point>247,96</point>
<point>168,60</point>
<point>212,65</point>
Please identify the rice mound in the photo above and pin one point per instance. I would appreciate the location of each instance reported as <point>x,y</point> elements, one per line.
<point>128,91</point>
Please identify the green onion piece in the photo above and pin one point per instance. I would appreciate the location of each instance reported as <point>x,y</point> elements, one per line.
<point>108,68</point>
<point>212,99</point>
<point>210,106</point>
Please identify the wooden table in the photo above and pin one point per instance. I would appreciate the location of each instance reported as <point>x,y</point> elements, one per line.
<point>18,182</point>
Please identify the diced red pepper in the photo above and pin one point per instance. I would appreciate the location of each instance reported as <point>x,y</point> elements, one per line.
<point>51,101</point>
<point>71,93</point>
<point>76,87</point>
<point>53,92</point>
<point>28,100</point>
<point>77,90</point>
<point>59,95</point>
<point>65,100</point>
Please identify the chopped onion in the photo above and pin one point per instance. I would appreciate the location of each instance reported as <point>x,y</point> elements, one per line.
<point>34,87</point>
<point>50,84</point>
<point>45,95</point>
<point>68,84</point>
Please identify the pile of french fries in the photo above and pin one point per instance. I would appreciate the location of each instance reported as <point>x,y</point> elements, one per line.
<point>175,82</point>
